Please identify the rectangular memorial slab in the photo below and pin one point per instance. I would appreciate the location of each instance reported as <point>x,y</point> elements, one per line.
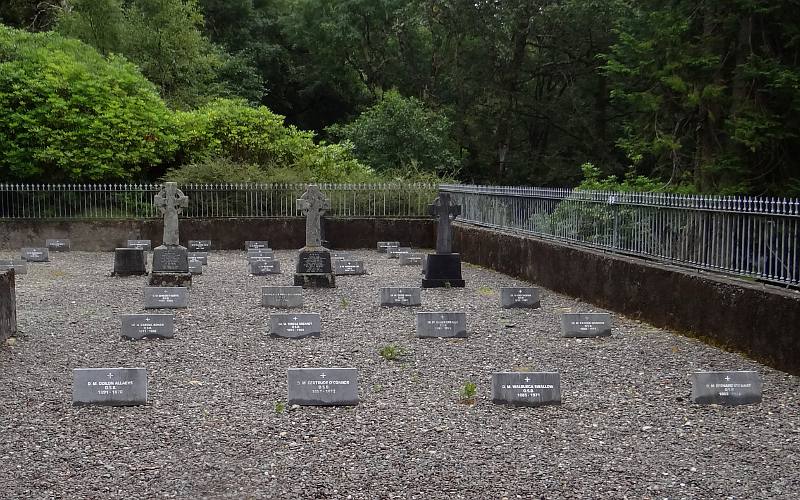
<point>342,256</point>
<point>262,253</point>
<point>441,324</point>
<point>322,386</point>
<point>348,267</point>
<point>109,386</point>
<point>199,245</point>
<point>256,245</point>
<point>166,297</point>
<point>400,296</point>
<point>140,244</point>
<point>282,296</point>
<point>382,245</point>
<point>36,254</point>
<point>411,259</point>
<point>263,267</point>
<point>20,266</point>
<point>726,388</point>
<point>57,245</point>
<point>201,257</point>
<point>139,326</point>
<point>167,259</point>
<point>527,297</point>
<point>586,325</point>
<point>294,326</point>
<point>395,252</point>
<point>526,388</point>
<point>195,267</point>
<point>129,262</point>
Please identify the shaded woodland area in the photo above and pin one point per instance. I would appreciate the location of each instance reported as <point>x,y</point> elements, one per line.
<point>696,96</point>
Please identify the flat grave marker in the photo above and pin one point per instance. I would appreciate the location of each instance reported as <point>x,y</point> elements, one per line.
<point>57,245</point>
<point>36,254</point>
<point>728,388</point>
<point>109,386</point>
<point>256,245</point>
<point>166,297</point>
<point>139,326</point>
<point>349,267</point>
<point>342,256</point>
<point>526,388</point>
<point>322,386</point>
<point>263,267</point>
<point>400,296</point>
<point>195,267</point>
<point>294,326</point>
<point>282,296</point>
<point>201,257</point>
<point>441,324</point>
<point>584,325</point>
<point>20,266</point>
<point>524,297</point>
<point>140,244</point>
<point>198,245</point>
<point>260,253</point>
<point>411,259</point>
<point>383,245</point>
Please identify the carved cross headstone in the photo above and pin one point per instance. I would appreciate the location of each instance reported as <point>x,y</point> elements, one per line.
<point>170,200</point>
<point>444,210</point>
<point>313,204</point>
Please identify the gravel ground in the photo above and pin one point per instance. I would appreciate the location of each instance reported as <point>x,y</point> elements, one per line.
<point>626,427</point>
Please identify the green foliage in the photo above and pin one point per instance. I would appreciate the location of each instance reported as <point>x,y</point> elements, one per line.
<point>400,132</point>
<point>392,352</point>
<point>280,407</point>
<point>468,392</point>
<point>69,115</point>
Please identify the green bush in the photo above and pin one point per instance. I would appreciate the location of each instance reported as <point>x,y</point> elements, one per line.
<point>69,115</point>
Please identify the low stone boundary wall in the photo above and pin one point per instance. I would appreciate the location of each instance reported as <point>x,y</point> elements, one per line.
<point>8,305</point>
<point>225,234</point>
<point>758,320</point>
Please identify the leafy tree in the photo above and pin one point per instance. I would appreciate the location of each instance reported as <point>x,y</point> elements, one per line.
<point>400,132</point>
<point>69,115</point>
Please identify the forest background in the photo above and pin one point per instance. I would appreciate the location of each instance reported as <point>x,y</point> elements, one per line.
<point>691,96</point>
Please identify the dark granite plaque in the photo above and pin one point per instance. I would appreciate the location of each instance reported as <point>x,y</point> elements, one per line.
<point>141,244</point>
<point>586,325</point>
<point>262,267</point>
<point>199,245</point>
<point>294,326</point>
<point>400,296</point>
<point>314,262</point>
<point>201,257</point>
<point>443,270</point>
<point>349,267</point>
<point>322,386</point>
<point>58,245</point>
<point>256,245</point>
<point>109,386</point>
<point>527,297</point>
<point>441,324</point>
<point>342,256</point>
<point>282,296</point>
<point>36,254</point>
<point>172,297</point>
<point>129,262</point>
<point>20,266</point>
<point>195,267</point>
<point>260,254</point>
<point>526,388</point>
<point>382,245</point>
<point>726,388</point>
<point>139,326</point>
<point>411,259</point>
<point>168,259</point>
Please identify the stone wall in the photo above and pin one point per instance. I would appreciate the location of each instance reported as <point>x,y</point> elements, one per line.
<point>226,234</point>
<point>8,305</point>
<point>758,320</point>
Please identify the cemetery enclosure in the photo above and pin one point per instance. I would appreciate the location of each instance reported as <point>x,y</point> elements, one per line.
<point>211,427</point>
<point>758,320</point>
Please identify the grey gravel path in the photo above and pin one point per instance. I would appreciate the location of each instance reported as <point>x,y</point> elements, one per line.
<point>626,428</point>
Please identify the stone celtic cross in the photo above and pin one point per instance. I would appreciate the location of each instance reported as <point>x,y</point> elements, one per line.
<point>170,200</point>
<point>444,210</point>
<point>313,204</point>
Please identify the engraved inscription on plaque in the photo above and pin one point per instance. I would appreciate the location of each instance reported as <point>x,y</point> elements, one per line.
<point>383,245</point>
<point>168,259</point>
<point>282,296</point>
<point>199,245</point>
<point>322,386</point>
<point>726,388</point>
<point>294,326</point>
<point>36,254</point>
<point>586,325</point>
<point>195,267</point>
<point>526,388</point>
<point>174,297</point>
<point>20,266</point>
<point>139,326</point>
<point>527,297</point>
<point>201,257</point>
<point>262,267</point>
<point>441,324</point>
<point>109,386</point>
<point>140,244</point>
<point>255,245</point>
<point>349,267</point>
<point>411,259</point>
<point>58,245</point>
<point>400,296</point>
<point>313,263</point>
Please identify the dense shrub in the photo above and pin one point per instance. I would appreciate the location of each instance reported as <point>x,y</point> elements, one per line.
<point>69,115</point>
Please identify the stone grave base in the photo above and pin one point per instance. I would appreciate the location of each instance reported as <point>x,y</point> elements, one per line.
<point>443,270</point>
<point>315,280</point>
<point>129,262</point>
<point>314,269</point>
<point>170,279</point>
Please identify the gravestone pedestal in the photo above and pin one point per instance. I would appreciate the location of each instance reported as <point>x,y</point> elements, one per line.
<point>443,270</point>
<point>8,304</point>
<point>170,266</point>
<point>314,269</point>
<point>129,262</point>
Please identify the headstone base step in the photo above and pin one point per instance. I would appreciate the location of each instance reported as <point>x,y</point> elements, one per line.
<point>315,280</point>
<point>443,270</point>
<point>429,283</point>
<point>170,279</point>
